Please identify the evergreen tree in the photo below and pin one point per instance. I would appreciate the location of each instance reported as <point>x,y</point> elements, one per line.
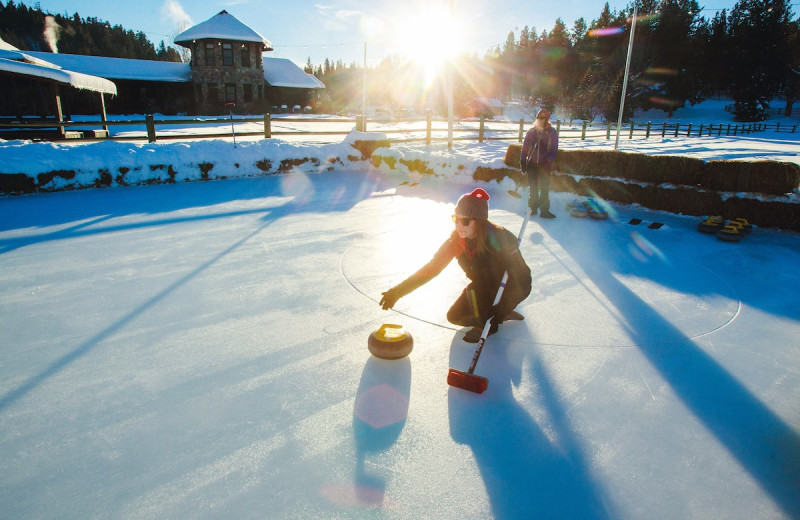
<point>793,82</point>
<point>24,28</point>
<point>715,55</point>
<point>760,33</point>
<point>672,46</point>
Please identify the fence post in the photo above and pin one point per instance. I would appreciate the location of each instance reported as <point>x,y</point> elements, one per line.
<point>700,133</point>
<point>719,132</point>
<point>521,129</point>
<point>647,132</point>
<point>630,135</point>
<point>151,128</point>
<point>428,128</point>
<point>558,126</point>
<point>663,130</point>
<point>583,131</point>
<point>480,132</point>
<point>689,130</point>
<point>677,126</point>
<point>267,126</point>
<point>608,131</point>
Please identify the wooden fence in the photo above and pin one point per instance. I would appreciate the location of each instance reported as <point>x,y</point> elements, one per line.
<point>427,129</point>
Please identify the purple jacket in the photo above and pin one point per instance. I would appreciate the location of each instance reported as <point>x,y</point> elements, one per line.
<point>539,146</point>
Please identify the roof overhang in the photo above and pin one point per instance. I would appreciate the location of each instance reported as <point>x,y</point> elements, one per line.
<point>280,72</point>
<point>58,75</point>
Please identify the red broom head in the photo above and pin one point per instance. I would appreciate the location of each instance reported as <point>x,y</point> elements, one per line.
<point>465,381</point>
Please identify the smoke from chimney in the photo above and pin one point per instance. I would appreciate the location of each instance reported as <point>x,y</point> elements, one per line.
<point>52,31</point>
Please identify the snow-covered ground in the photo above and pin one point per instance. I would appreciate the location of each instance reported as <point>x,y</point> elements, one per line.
<point>199,350</point>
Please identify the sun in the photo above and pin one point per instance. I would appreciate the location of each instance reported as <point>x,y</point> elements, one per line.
<point>429,37</point>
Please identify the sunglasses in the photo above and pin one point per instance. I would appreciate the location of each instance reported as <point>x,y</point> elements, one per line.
<point>465,221</point>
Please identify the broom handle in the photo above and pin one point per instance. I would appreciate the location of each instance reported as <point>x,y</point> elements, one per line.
<point>497,297</point>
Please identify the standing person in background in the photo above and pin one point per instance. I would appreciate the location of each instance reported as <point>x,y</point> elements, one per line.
<point>536,161</point>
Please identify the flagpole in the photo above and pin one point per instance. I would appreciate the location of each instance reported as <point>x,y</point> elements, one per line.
<point>450,89</point>
<point>625,80</point>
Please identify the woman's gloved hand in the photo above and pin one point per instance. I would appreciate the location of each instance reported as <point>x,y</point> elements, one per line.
<point>389,298</point>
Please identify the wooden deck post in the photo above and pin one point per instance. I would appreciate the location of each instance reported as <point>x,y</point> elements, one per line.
<point>59,112</point>
<point>103,111</point>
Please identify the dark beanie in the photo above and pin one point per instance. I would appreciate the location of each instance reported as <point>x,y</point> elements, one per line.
<point>475,204</point>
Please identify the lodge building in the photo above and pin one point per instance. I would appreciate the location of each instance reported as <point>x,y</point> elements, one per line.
<point>227,67</point>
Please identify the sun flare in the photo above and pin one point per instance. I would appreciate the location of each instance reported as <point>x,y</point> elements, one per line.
<point>429,37</point>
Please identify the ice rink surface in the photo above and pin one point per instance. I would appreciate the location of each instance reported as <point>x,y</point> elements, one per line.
<point>199,350</point>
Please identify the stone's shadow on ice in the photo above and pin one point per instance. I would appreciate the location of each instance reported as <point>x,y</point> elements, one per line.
<point>527,475</point>
<point>379,415</point>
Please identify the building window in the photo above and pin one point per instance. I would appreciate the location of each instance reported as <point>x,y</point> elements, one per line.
<point>230,92</point>
<point>227,55</point>
<point>210,61</point>
<point>213,94</point>
<point>245,57</point>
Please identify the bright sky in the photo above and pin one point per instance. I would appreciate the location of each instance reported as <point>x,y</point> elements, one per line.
<point>337,29</point>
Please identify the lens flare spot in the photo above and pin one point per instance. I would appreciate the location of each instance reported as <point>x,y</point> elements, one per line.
<point>297,185</point>
<point>606,31</point>
<point>381,406</point>
<point>662,71</point>
<point>643,249</point>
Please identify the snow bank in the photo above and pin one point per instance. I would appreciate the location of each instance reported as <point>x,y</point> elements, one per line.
<point>55,166</point>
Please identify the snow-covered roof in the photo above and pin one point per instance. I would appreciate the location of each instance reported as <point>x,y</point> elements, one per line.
<point>222,26</point>
<point>119,68</point>
<point>68,77</point>
<point>4,45</point>
<point>280,72</point>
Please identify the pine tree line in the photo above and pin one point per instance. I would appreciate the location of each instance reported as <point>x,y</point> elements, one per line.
<point>751,54</point>
<point>29,28</point>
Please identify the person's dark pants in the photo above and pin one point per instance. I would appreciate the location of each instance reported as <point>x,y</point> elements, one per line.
<point>472,308</point>
<point>539,182</point>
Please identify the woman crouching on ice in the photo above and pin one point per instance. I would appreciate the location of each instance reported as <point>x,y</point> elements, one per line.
<point>484,251</point>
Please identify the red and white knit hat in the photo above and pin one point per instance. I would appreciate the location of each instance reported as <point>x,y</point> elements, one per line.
<point>474,205</point>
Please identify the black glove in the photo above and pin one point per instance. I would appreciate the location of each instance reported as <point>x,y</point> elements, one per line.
<point>497,313</point>
<point>389,298</point>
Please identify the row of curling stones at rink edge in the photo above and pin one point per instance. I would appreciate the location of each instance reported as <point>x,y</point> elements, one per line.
<point>728,230</point>
<point>390,341</point>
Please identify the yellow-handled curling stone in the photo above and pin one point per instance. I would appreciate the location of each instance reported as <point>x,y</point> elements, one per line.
<point>390,341</point>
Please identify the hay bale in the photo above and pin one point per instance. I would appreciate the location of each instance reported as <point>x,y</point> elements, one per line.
<point>672,169</point>
<point>773,214</point>
<point>482,173</point>
<point>513,153</point>
<point>563,182</point>
<point>770,177</point>
<point>17,183</point>
<point>366,147</point>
